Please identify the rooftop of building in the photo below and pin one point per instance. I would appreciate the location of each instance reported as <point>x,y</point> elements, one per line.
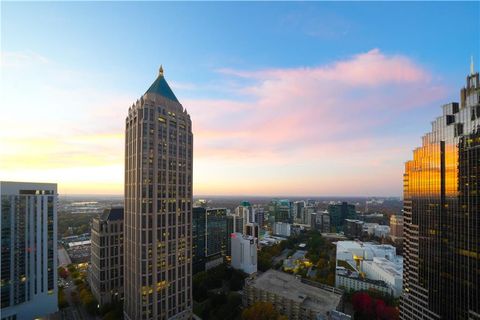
<point>161,87</point>
<point>292,288</point>
<point>393,268</point>
<point>112,214</point>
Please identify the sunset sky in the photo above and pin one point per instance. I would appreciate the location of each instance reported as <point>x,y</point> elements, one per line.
<point>285,98</point>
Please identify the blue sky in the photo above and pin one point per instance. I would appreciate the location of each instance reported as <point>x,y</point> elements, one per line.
<point>226,61</point>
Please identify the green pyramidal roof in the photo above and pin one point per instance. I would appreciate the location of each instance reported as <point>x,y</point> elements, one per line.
<point>161,87</point>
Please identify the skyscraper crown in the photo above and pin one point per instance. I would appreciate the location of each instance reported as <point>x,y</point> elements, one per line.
<point>161,87</point>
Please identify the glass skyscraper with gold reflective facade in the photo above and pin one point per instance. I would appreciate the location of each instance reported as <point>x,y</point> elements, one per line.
<point>158,207</point>
<point>441,215</point>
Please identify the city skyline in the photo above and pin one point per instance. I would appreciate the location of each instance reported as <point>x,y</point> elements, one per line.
<point>316,101</point>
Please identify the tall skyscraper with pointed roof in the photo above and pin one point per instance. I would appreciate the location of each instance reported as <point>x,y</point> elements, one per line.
<point>442,215</point>
<point>158,206</point>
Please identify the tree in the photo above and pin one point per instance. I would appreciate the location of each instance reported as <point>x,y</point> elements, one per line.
<point>62,272</point>
<point>62,300</point>
<point>261,311</point>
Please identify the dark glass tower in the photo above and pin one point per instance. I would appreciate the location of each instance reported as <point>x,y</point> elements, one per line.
<point>441,215</point>
<point>339,212</point>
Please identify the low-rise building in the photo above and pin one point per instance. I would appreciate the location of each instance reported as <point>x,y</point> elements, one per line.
<point>291,296</point>
<point>375,262</point>
<point>348,280</point>
<point>282,229</point>
<point>382,231</point>
<point>391,272</point>
<point>244,252</point>
<point>105,274</point>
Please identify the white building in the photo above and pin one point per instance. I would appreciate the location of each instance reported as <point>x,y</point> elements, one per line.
<point>388,271</point>
<point>282,229</point>
<point>29,250</point>
<point>345,279</point>
<point>377,262</point>
<point>382,231</point>
<point>244,252</point>
<point>369,227</point>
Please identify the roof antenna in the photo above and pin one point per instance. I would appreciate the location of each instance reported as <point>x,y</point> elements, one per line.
<point>472,70</point>
<point>160,71</point>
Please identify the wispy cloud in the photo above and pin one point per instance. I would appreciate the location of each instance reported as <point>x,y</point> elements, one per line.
<point>310,130</point>
<point>326,117</point>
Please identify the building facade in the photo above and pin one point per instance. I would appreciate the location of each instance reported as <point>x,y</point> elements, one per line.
<point>209,236</point>
<point>356,283</point>
<point>105,273</point>
<point>244,253</point>
<point>396,227</point>
<point>339,213</point>
<point>158,206</point>
<point>29,250</point>
<point>441,215</point>
<point>282,229</point>
<point>234,224</point>
<point>281,210</point>
<point>199,230</point>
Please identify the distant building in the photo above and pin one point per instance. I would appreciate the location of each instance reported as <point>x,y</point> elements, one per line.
<point>260,217</point>
<point>345,279</point>
<point>252,229</point>
<point>386,270</point>
<point>234,224</point>
<point>244,253</point>
<point>323,221</point>
<point>282,229</point>
<point>199,229</point>
<point>339,213</point>
<point>376,262</point>
<point>396,227</point>
<point>307,215</point>
<point>216,236</point>
<point>281,210</point>
<point>353,228</point>
<point>246,212</point>
<point>298,212</point>
<point>105,274</point>
<point>382,231</point>
<point>29,250</point>
<point>290,296</point>
<point>210,237</point>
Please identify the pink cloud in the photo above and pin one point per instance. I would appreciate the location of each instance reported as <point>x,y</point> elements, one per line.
<point>325,112</point>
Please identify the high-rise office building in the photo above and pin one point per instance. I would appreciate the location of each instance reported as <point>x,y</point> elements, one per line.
<point>339,213</point>
<point>234,224</point>
<point>29,250</point>
<point>199,229</point>
<point>441,215</point>
<point>105,273</point>
<point>158,206</point>
<point>260,217</point>
<point>246,212</point>
<point>281,210</point>
<point>209,236</point>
